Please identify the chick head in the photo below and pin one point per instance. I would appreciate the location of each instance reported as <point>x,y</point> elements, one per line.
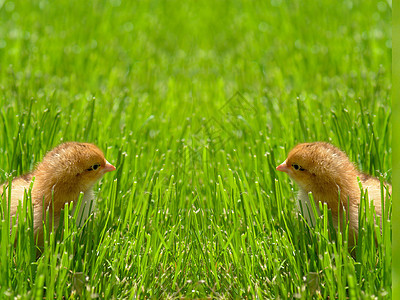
<point>314,165</point>
<point>76,164</point>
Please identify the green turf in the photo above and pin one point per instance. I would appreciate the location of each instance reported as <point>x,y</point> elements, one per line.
<point>195,103</point>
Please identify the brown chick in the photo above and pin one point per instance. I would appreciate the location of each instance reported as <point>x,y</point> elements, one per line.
<point>326,171</point>
<point>65,172</point>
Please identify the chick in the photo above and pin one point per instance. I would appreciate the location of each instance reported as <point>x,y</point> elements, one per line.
<point>65,172</point>
<point>326,172</point>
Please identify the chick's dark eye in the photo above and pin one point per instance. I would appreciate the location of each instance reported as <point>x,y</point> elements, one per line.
<point>94,167</point>
<point>297,167</point>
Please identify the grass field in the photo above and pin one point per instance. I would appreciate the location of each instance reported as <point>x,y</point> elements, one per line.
<point>195,103</point>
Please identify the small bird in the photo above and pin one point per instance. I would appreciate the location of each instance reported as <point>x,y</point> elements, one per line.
<point>327,172</point>
<point>65,172</point>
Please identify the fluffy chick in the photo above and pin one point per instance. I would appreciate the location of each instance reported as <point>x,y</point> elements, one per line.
<point>65,172</point>
<point>326,172</point>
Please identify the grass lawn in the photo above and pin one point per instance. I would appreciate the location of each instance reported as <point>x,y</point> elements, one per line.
<point>195,103</point>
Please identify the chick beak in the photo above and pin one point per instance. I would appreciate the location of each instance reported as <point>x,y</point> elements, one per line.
<point>108,167</point>
<point>283,167</point>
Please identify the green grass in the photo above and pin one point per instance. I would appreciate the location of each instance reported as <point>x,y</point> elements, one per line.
<point>396,148</point>
<point>195,103</point>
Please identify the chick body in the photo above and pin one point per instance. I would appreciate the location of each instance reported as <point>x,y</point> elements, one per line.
<point>65,172</point>
<point>326,172</point>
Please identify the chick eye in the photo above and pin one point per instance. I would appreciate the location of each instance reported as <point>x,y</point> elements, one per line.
<point>297,167</point>
<point>94,167</point>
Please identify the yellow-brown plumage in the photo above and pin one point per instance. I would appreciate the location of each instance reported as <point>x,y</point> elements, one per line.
<point>326,172</point>
<point>65,172</point>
